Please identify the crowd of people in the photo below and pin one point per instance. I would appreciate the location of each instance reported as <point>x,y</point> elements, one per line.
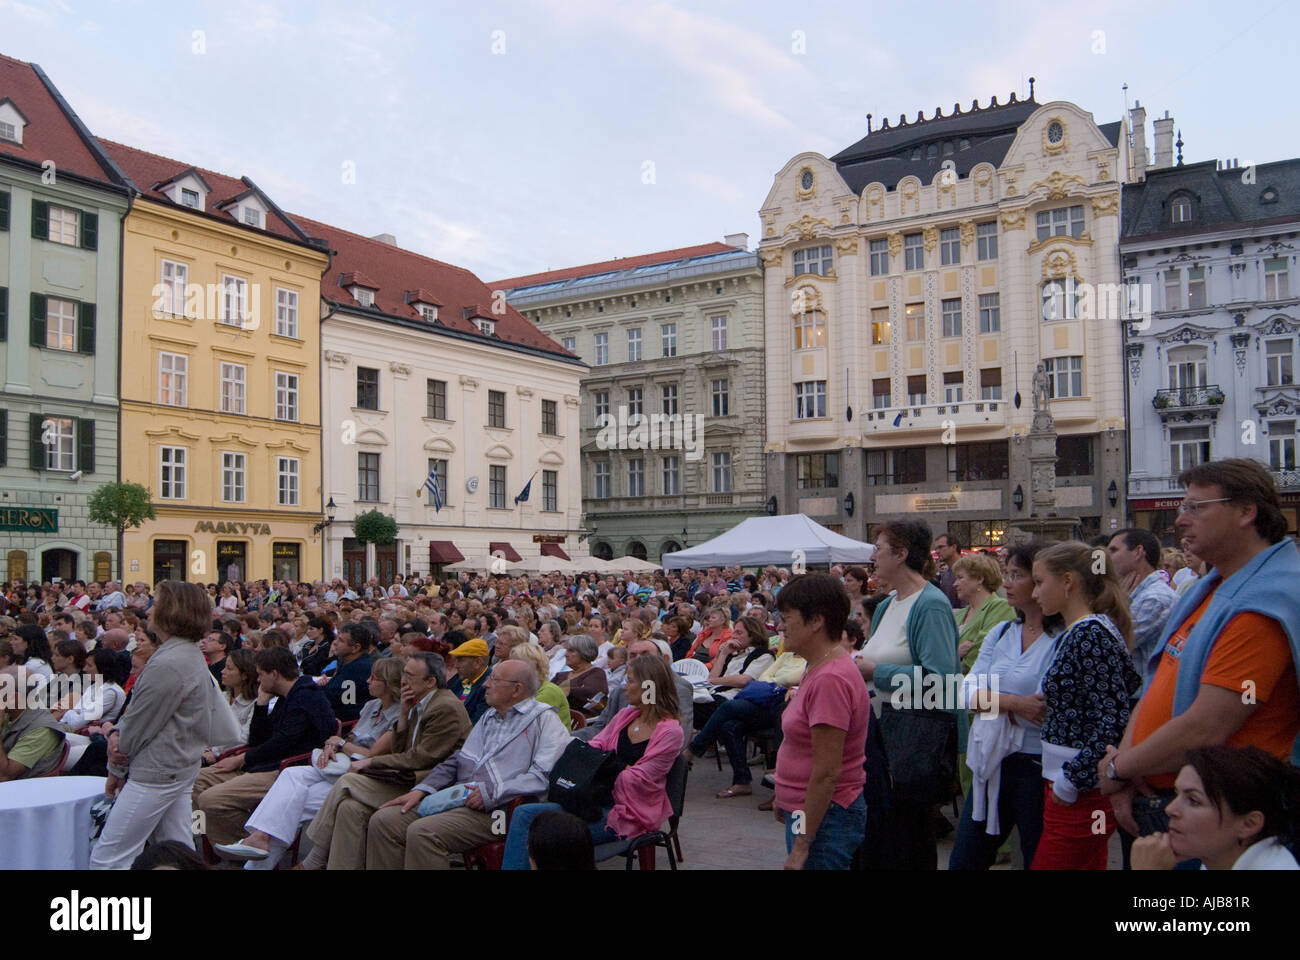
<point>1059,691</point>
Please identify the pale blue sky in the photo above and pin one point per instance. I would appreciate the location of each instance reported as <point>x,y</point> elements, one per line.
<point>533,158</point>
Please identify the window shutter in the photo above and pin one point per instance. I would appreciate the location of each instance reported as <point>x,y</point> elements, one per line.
<point>4,314</point>
<point>36,449</point>
<point>85,328</point>
<point>40,220</point>
<point>38,320</point>
<point>89,231</point>
<point>4,438</point>
<point>86,445</point>
<point>4,211</point>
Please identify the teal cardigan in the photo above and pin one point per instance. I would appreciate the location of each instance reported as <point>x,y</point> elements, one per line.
<point>932,641</point>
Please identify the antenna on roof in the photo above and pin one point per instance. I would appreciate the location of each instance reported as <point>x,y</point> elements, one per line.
<point>868,123</point>
<point>1031,88</point>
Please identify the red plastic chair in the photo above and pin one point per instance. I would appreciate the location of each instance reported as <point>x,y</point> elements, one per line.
<point>490,855</point>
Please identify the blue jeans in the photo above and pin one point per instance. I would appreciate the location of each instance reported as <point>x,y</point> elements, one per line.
<point>838,837</point>
<point>1020,804</point>
<point>730,722</point>
<point>521,822</point>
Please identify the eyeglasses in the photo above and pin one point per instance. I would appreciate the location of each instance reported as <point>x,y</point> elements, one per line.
<point>1195,506</point>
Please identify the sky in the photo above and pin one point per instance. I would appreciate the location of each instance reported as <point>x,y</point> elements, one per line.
<point>512,138</point>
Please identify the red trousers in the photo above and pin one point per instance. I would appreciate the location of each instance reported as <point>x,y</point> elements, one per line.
<point>1075,835</point>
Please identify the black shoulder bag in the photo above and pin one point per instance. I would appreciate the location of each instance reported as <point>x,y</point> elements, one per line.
<point>582,780</point>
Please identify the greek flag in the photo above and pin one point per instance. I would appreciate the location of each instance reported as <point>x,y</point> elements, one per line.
<point>431,484</point>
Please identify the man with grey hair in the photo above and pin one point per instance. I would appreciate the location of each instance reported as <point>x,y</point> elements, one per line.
<point>509,753</point>
<point>618,699</point>
<point>431,725</point>
<point>114,598</point>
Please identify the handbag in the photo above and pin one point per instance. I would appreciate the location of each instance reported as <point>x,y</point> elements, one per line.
<point>921,751</point>
<point>582,780</point>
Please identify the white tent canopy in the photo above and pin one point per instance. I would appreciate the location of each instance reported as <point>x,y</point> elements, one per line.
<point>783,541</point>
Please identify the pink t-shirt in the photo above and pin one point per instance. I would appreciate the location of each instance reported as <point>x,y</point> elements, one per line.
<point>833,694</point>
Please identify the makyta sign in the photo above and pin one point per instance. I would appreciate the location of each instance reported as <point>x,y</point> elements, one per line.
<point>230,526</point>
<point>29,519</point>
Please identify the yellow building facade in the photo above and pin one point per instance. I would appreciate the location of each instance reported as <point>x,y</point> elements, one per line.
<point>220,385</point>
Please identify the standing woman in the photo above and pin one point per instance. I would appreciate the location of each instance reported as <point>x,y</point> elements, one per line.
<point>819,767</point>
<point>1008,788</point>
<point>913,635</point>
<point>1088,689</point>
<point>977,579</point>
<point>160,739</point>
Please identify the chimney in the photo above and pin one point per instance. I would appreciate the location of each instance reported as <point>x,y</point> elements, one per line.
<point>1164,141</point>
<point>387,238</point>
<point>738,240</point>
<point>1139,160</point>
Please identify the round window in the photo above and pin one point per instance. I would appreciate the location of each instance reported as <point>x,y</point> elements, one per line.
<point>1055,132</point>
<point>806,180</point>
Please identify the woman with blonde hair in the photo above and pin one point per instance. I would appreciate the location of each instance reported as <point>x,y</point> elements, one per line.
<point>977,579</point>
<point>1087,689</point>
<point>548,693</point>
<point>715,632</point>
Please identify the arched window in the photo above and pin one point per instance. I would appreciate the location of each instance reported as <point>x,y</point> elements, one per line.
<point>1181,209</point>
<point>602,551</point>
<point>931,151</point>
<point>636,549</point>
<point>670,546</point>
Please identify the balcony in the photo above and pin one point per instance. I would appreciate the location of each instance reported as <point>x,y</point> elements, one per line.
<point>1287,479</point>
<point>1188,403</point>
<point>936,416</point>
<point>1140,487</point>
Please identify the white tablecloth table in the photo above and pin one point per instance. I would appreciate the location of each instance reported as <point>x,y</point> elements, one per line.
<point>45,822</point>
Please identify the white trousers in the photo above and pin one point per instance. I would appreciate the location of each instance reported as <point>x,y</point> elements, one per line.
<point>295,797</point>
<point>144,812</point>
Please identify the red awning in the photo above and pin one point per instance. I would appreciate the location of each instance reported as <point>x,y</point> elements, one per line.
<point>444,551</point>
<point>504,548</point>
<point>554,550</point>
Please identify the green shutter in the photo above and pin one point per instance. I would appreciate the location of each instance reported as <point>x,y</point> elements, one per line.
<point>85,328</point>
<point>89,231</point>
<point>4,314</point>
<point>36,449</point>
<point>86,445</point>
<point>40,220</point>
<point>38,320</point>
<point>4,211</point>
<point>4,438</point>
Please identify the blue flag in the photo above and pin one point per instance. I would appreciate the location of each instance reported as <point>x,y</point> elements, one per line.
<point>528,487</point>
<point>431,484</point>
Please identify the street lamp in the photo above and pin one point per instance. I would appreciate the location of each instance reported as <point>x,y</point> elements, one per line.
<point>330,508</point>
<point>771,506</point>
<point>1112,494</point>
<point>848,503</point>
<point>1018,497</point>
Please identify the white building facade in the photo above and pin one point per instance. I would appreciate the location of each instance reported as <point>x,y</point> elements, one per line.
<point>913,283</point>
<point>1213,375</point>
<point>420,376</point>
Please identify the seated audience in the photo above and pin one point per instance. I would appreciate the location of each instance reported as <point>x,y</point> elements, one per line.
<point>583,683</point>
<point>548,693</point>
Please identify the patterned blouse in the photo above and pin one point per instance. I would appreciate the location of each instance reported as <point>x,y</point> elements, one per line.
<point>1088,688</point>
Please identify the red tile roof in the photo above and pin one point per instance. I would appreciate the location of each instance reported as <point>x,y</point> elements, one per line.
<point>397,271</point>
<point>148,171</point>
<point>607,266</point>
<point>357,279</point>
<point>50,134</point>
<point>422,296</point>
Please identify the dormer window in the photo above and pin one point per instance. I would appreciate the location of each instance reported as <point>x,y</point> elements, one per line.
<point>252,216</point>
<point>1180,209</point>
<point>363,296</point>
<point>190,198</point>
<point>1268,196</point>
<point>187,189</point>
<point>487,327</point>
<point>11,122</point>
<point>428,313</point>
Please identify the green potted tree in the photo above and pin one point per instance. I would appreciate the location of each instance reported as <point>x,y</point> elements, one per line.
<point>120,506</point>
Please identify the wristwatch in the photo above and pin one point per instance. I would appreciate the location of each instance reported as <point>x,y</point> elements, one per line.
<point>1111,773</point>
